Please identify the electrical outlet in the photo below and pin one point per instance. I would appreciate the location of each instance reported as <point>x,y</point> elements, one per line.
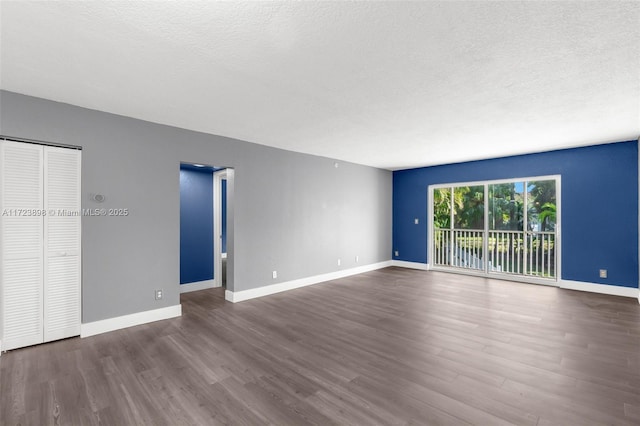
<point>416,221</point>
<point>274,274</point>
<point>603,273</point>
<point>397,253</point>
<point>339,262</point>
<point>158,294</point>
<point>357,259</point>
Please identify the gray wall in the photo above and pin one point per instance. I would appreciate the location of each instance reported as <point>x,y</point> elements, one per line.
<point>291,212</point>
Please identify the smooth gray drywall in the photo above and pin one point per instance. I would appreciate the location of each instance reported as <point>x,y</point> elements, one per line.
<point>291,212</point>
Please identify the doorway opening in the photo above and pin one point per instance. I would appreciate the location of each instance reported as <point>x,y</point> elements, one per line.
<point>203,230</point>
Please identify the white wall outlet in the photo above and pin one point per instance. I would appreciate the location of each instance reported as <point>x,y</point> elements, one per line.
<point>416,221</point>
<point>274,274</point>
<point>339,262</point>
<point>158,294</point>
<point>357,259</point>
<point>603,273</point>
<point>396,253</point>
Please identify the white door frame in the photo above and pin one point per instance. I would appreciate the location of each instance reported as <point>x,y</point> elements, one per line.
<point>218,177</point>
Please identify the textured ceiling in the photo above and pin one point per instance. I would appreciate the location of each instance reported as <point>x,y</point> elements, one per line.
<point>387,84</point>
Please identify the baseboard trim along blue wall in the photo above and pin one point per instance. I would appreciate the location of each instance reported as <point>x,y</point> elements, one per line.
<point>599,206</point>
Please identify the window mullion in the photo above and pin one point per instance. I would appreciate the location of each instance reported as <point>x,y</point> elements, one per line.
<point>485,240</point>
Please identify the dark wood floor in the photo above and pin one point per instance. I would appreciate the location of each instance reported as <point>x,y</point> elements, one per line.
<point>391,347</point>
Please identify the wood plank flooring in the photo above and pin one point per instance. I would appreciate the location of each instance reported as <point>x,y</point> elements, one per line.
<point>391,347</point>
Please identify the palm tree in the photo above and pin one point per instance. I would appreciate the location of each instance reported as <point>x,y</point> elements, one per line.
<point>548,211</point>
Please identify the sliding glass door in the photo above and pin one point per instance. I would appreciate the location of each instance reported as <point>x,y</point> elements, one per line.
<point>458,222</point>
<point>496,227</point>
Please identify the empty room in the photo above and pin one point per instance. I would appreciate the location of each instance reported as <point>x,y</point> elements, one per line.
<point>319,212</point>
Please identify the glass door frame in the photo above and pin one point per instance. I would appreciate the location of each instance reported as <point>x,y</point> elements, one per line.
<point>484,272</point>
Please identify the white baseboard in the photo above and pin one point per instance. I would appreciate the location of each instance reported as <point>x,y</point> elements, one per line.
<point>199,285</point>
<point>239,296</point>
<point>410,265</point>
<point>614,290</point>
<point>117,323</point>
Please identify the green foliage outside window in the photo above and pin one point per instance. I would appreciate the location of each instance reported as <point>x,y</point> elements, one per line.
<point>506,206</point>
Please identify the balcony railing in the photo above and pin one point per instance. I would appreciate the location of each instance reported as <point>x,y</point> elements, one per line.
<point>530,253</point>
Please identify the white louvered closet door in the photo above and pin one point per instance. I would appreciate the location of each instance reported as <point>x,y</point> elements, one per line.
<point>40,263</point>
<point>62,265</point>
<point>21,254</point>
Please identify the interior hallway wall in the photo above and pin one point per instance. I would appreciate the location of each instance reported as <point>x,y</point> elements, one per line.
<point>291,212</point>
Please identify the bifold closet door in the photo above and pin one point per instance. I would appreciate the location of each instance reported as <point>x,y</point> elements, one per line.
<point>62,270</point>
<point>40,255</point>
<point>21,253</point>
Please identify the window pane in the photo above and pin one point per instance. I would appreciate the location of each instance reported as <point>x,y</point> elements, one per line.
<point>542,205</point>
<point>469,207</point>
<point>506,201</point>
<point>442,208</point>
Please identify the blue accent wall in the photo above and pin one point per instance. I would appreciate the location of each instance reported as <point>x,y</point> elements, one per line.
<point>599,206</point>
<point>196,224</point>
